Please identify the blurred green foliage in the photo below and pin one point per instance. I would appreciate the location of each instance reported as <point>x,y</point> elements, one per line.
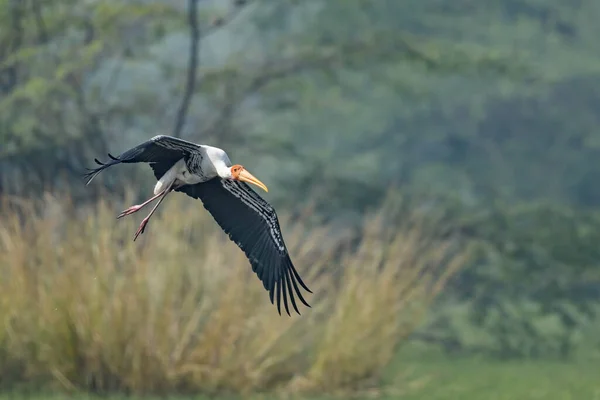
<point>534,288</point>
<point>487,112</point>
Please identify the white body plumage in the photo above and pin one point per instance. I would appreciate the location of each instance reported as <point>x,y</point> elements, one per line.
<point>215,162</point>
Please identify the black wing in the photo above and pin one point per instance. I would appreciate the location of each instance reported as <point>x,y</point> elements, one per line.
<point>253,225</point>
<point>161,152</point>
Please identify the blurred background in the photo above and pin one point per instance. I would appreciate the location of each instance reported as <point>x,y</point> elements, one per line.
<point>434,165</point>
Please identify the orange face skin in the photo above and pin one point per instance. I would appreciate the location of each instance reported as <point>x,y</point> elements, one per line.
<point>235,171</point>
<point>239,173</point>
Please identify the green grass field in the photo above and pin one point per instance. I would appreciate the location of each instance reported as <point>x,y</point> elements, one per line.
<point>439,378</point>
<point>479,379</point>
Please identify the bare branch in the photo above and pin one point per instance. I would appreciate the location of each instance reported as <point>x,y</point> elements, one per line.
<point>192,66</point>
<point>195,37</point>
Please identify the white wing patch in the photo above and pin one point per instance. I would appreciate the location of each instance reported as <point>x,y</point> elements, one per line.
<point>261,207</point>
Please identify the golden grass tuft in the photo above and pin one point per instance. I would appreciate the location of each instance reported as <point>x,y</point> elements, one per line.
<point>84,307</point>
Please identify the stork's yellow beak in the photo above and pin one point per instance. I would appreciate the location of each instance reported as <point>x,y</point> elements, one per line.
<point>246,176</point>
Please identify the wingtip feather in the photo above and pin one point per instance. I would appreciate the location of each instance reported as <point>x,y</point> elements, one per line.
<point>290,289</point>
<point>279,299</point>
<point>298,278</point>
<point>284,290</point>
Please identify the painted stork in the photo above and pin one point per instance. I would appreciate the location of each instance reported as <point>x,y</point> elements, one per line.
<point>206,173</point>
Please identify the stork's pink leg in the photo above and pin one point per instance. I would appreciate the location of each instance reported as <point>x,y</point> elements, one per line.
<point>138,207</point>
<point>147,218</point>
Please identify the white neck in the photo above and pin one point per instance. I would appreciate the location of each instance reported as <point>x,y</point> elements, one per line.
<point>219,160</point>
<point>222,169</point>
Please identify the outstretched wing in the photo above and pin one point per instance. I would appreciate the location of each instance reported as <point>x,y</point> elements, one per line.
<point>253,225</point>
<point>161,152</point>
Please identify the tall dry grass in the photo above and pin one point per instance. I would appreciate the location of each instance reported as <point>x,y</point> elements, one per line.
<point>83,307</point>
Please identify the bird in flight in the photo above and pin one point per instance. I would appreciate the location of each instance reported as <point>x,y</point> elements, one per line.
<point>206,173</point>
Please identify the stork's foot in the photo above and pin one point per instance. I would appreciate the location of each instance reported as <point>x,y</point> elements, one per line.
<point>141,228</point>
<point>130,210</point>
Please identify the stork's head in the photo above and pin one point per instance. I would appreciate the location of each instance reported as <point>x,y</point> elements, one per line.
<point>239,173</point>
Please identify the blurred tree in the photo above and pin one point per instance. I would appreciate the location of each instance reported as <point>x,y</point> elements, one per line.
<point>90,72</point>
<point>534,284</point>
<point>48,122</point>
<point>477,101</point>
